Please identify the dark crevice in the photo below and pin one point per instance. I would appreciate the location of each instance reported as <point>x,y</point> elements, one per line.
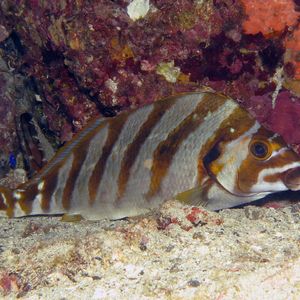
<point>272,55</point>
<point>221,60</point>
<point>17,43</point>
<point>107,111</point>
<point>12,46</point>
<point>50,56</point>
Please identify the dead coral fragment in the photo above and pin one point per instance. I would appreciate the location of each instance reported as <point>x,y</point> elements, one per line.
<point>169,71</point>
<point>138,9</point>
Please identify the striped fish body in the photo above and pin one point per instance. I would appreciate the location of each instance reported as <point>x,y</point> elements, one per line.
<point>201,148</point>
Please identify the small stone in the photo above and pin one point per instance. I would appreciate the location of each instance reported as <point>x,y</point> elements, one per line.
<point>170,248</point>
<point>198,236</point>
<point>143,247</point>
<point>175,268</point>
<point>98,258</point>
<point>15,251</point>
<point>193,283</point>
<point>253,214</point>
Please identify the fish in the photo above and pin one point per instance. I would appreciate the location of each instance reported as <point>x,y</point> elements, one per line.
<point>200,148</point>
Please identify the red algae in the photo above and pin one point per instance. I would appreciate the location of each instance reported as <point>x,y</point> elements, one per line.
<point>193,216</point>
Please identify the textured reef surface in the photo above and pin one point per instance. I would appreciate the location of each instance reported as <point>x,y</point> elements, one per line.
<point>88,58</point>
<point>178,253</point>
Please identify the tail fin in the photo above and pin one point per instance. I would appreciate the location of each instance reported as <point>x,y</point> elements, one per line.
<point>7,202</point>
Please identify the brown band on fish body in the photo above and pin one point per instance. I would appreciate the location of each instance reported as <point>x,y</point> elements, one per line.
<point>132,151</point>
<point>79,157</point>
<point>115,128</point>
<point>231,128</point>
<point>247,179</point>
<point>163,154</point>
<point>272,178</point>
<point>79,151</point>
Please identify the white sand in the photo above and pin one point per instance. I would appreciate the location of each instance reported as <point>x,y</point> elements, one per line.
<point>250,253</point>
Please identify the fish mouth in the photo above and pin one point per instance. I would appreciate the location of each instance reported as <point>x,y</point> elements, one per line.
<point>291,179</point>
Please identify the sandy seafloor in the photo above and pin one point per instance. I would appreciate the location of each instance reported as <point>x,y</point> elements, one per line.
<point>175,253</point>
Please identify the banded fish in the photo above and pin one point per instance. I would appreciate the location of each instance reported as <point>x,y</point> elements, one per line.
<point>201,148</point>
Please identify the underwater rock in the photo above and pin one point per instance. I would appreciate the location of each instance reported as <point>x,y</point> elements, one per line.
<point>100,57</point>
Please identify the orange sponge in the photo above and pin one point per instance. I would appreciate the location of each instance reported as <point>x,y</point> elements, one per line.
<point>269,17</point>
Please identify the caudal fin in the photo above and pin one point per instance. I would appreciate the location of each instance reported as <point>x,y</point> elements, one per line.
<point>7,202</point>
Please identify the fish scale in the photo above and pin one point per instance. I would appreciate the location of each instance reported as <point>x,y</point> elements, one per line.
<point>200,148</point>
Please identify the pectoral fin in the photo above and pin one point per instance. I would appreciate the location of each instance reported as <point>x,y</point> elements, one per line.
<point>192,197</point>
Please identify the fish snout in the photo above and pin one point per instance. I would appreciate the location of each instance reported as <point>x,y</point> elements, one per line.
<point>291,179</point>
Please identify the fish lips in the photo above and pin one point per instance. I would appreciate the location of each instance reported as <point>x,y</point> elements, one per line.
<point>291,179</point>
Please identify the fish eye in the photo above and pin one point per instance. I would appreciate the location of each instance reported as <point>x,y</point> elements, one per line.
<point>260,150</point>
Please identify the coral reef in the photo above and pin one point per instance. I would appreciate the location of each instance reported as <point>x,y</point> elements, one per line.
<point>65,62</point>
<point>7,109</point>
<point>92,58</point>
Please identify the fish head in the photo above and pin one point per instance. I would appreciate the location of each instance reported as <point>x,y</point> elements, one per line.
<point>254,164</point>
